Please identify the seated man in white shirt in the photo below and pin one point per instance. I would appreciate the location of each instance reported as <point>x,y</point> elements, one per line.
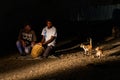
<point>49,35</point>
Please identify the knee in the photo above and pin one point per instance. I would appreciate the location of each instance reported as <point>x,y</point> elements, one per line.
<point>18,43</point>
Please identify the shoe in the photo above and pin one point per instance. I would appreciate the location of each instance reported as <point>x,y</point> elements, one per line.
<point>53,57</point>
<point>23,54</point>
<point>38,58</point>
<point>44,57</point>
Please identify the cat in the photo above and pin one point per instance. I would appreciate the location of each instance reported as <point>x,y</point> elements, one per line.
<point>87,48</point>
<point>99,52</point>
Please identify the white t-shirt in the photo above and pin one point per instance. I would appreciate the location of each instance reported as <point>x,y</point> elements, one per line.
<point>48,33</point>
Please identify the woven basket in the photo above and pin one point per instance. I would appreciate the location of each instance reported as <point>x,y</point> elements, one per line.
<point>37,50</point>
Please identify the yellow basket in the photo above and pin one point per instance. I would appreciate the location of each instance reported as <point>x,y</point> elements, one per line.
<point>37,50</point>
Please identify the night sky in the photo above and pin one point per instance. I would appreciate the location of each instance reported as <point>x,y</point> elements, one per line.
<point>67,15</point>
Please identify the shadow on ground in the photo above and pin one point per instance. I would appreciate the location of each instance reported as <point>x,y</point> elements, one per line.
<point>109,70</point>
<point>10,65</point>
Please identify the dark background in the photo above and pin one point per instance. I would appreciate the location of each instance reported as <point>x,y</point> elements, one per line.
<point>74,19</point>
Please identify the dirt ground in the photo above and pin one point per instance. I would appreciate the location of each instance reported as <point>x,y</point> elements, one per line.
<point>70,66</point>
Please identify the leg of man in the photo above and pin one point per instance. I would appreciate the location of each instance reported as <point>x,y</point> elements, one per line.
<point>20,48</point>
<point>47,51</point>
<point>28,49</point>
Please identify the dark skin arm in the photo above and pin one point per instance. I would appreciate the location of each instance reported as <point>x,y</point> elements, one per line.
<point>47,42</point>
<point>43,39</point>
<point>20,38</point>
<point>34,38</point>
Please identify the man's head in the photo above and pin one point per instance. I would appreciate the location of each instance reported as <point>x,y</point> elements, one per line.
<point>49,24</point>
<point>27,28</point>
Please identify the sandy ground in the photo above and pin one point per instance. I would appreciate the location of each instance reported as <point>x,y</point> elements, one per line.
<point>70,66</point>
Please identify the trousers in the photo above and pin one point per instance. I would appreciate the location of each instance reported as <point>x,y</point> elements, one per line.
<point>22,49</point>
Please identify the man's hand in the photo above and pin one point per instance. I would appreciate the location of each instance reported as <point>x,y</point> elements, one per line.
<point>43,43</point>
<point>32,44</point>
<point>23,43</point>
<point>39,43</point>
